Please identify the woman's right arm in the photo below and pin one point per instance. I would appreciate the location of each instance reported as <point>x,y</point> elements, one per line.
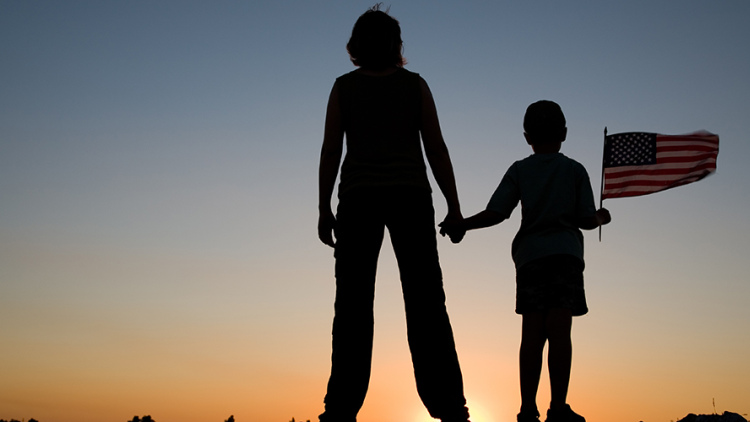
<point>437,154</point>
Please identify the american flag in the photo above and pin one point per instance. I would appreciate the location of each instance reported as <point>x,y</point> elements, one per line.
<point>639,163</point>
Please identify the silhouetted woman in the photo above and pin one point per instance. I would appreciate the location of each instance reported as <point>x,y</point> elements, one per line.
<point>387,115</point>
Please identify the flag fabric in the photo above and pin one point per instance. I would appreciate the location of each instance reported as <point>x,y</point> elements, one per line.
<point>639,163</point>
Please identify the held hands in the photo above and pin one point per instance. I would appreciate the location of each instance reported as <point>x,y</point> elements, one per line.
<point>453,227</point>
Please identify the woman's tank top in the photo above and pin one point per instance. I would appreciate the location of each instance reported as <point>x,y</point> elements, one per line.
<point>382,121</point>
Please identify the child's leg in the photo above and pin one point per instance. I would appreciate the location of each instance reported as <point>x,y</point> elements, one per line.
<point>530,359</point>
<point>558,325</point>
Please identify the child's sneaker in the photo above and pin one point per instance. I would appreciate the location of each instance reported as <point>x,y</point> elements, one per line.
<point>564,414</point>
<point>528,417</point>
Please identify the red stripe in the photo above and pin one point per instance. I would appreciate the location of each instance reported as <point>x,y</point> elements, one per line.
<point>632,191</point>
<point>654,179</point>
<point>710,138</point>
<point>614,173</point>
<point>612,187</point>
<point>684,148</point>
<point>683,159</point>
<point>656,176</point>
<point>647,182</point>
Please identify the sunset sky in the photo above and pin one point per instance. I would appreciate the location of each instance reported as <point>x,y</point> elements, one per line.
<point>158,206</point>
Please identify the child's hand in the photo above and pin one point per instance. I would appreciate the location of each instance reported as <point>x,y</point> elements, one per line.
<point>453,228</point>
<point>603,216</point>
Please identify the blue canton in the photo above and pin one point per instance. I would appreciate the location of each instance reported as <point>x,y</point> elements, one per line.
<point>630,149</point>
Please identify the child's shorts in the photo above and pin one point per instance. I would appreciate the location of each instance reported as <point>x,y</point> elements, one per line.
<point>554,281</point>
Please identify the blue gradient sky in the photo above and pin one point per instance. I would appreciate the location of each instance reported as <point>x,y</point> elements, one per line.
<point>158,199</point>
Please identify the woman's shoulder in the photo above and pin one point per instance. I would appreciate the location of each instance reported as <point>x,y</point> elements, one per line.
<point>347,75</point>
<point>380,73</point>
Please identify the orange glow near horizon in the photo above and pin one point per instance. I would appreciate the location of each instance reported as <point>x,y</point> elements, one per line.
<point>178,363</point>
<point>252,396</point>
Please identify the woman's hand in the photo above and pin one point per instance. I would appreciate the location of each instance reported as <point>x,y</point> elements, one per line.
<point>326,223</point>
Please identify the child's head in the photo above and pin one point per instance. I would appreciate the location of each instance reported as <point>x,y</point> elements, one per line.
<point>544,123</point>
<point>376,41</point>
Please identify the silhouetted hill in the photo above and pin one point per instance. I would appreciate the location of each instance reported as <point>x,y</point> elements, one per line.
<point>724,417</point>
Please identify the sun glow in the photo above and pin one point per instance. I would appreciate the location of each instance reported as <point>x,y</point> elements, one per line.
<point>477,414</point>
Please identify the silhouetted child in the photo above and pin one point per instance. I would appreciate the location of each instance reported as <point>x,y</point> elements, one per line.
<point>387,115</point>
<point>556,201</point>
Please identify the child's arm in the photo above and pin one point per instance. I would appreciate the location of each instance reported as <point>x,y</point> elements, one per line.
<point>486,218</point>
<point>457,228</point>
<point>600,218</point>
<point>330,158</point>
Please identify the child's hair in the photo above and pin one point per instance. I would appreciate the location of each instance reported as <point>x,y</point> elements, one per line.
<point>544,122</point>
<point>376,40</point>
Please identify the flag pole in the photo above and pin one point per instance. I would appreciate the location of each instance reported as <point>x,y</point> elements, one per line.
<point>601,191</point>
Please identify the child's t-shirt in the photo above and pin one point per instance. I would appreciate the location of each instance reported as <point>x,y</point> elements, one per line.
<point>554,192</point>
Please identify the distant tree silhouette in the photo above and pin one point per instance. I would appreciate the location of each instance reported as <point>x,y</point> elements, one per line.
<point>146,418</point>
<point>231,419</point>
